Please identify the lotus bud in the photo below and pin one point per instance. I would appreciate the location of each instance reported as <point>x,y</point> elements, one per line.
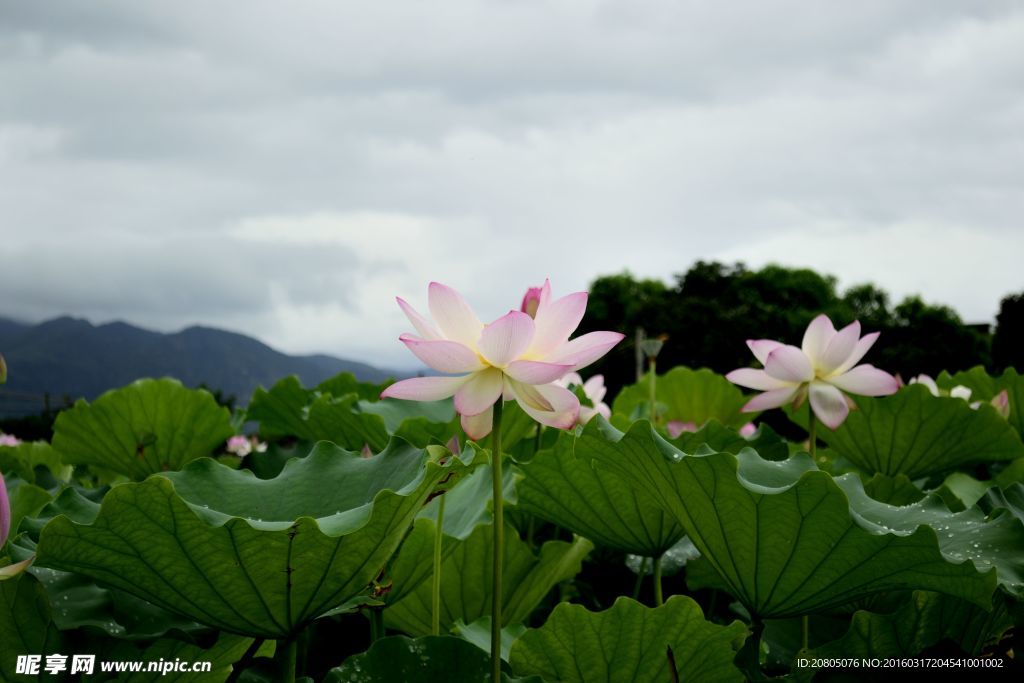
<point>5,512</point>
<point>1001,402</point>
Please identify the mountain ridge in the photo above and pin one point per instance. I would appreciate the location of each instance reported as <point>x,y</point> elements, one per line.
<point>65,358</point>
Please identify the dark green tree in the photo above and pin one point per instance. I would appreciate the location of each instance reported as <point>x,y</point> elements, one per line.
<point>1008,342</point>
<point>714,307</point>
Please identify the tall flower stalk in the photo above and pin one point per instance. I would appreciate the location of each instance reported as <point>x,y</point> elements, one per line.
<point>435,602</point>
<point>499,544</point>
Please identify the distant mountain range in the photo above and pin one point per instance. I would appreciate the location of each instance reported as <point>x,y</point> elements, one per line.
<point>68,358</point>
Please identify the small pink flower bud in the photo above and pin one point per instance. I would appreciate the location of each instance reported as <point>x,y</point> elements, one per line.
<point>1001,402</point>
<point>5,512</point>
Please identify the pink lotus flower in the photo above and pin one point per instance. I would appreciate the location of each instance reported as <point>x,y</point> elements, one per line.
<point>959,391</point>
<point>10,570</point>
<point>244,445</point>
<point>5,512</point>
<point>822,369</point>
<point>516,357</point>
<point>594,389</point>
<point>9,440</point>
<point>677,427</point>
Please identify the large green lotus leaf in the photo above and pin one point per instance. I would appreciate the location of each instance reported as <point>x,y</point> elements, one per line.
<point>685,395</point>
<point>153,425</point>
<point>289,410</point>
<point>395,412</point>
<point>564,487</point>
<point>345,383</point>
<point>1012,474</point>
<point>916,434</point>
<point>920,622</point>
<point>26,500</point>
<point>984,387</point>
<point>78,602</point>
<point>479,633</point>
<point>418,422</point>
<point>431,659</point>
<point>630,642</point>
<point>898,490</point>
<point>701,574</point>
<point>788,539</point>
<point>71,502</point>
<point>24,458</point>
<point>249,556</point>
<point>468,503</point>
<point>961,491</point>
<point>466,577</point>
<point>1010,499</point>
<point>467,506</point>
<point>26,625</point>
<point>994,542</point>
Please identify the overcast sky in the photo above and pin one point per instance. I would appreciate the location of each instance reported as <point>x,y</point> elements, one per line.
<point>285,169</point>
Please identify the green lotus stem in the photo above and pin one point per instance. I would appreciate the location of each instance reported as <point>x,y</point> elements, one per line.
<point>286,657</point>
<point>658,599</point>
<point>245,662</point>
<point>438,534</point>
<point>652,364</point>
<point>499,544</point>
<point>812,439</point>
<point>641,573</point>
<point>749,657</point>
<point>376,624</point>
<point>812,447</point>
<point>531,521</point>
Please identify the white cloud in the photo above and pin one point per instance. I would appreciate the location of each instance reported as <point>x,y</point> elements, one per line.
<point>287,170</point>
<point>942,263</point>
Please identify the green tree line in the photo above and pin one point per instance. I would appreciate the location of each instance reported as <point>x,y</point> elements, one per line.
<point>707,312</point>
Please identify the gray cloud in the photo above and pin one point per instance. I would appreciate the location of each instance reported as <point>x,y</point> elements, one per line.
<point>287,169</point>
